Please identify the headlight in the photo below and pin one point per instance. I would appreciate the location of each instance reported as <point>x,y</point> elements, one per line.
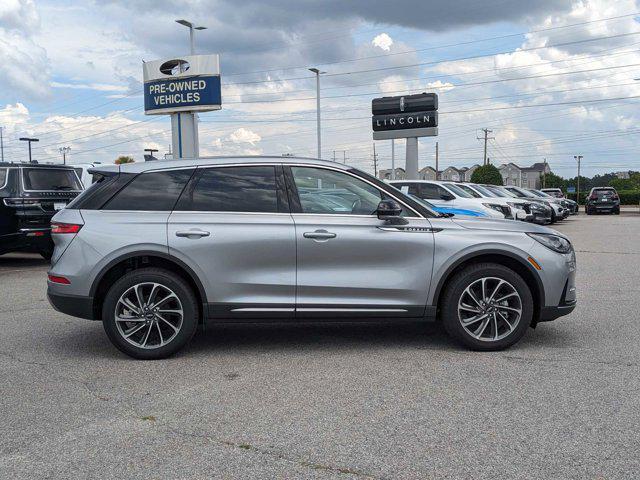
<point>552,242</point>
<point>538,207</point>
<point>493,206</point>
<point>518,206</point>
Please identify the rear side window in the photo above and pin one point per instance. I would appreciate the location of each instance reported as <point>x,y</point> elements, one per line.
<point>232,189</point>
<point>154,191</point>
<point>50,179</point>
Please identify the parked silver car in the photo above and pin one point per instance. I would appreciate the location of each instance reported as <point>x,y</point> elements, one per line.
<point>154,249</point>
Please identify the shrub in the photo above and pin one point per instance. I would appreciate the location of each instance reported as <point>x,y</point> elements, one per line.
<point>488,174</point>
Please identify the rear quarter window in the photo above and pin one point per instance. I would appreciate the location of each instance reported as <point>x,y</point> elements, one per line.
<point>3,177</point>
<point>152,191</point>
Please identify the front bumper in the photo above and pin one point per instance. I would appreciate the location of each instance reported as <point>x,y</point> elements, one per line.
<point>547,314</point>
<point>72,305</point>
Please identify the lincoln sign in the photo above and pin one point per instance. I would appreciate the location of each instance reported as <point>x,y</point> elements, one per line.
<point>405,116</point>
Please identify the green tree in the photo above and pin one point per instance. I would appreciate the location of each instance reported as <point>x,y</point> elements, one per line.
<point>124,159</point>
<point>488,174</point>
<point>555,181</point>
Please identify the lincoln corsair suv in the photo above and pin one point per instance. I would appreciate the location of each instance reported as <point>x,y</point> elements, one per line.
<point>154,249</point>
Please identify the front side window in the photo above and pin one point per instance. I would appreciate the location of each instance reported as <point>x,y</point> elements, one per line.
<point>251,189</point>
<point>329,192</point>
<point>153,191</point>
<point>431,191</point>
<point>50,179</point>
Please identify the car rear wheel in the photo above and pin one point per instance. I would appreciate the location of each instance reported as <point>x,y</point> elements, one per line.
<point>150,313</point>
<point>487,306</point>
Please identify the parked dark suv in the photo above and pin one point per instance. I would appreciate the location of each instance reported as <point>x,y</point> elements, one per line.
<point>602,200</point>
<point>30,195</point>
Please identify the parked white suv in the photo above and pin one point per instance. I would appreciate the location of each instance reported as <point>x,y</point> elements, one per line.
<point>448,194</point>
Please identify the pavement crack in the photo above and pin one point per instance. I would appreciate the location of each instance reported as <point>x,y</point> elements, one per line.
<point>280,456</point>
<point>88,386</point>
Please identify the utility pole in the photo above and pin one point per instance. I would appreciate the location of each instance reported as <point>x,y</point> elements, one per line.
<point>437,161</point>
<point>1,145</point>
<point>29,140</point>
<point>393,159</point>
<point>64,151</point>
<point>151,151</point>
<point>578,158</point>
<point>344,156</point>
<point>486,138</point>
<point>334,155</point>
<point>375,161</point>
<point>318,73</point>
<point>544,174</point>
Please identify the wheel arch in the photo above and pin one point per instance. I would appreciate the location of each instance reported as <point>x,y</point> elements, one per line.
<point>143,259</point>
<point>505,258</point>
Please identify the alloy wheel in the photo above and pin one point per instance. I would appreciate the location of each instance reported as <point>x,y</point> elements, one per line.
<point>149,315</point>
<point>490,309</point>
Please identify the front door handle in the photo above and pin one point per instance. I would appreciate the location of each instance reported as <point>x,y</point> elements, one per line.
<point>319,235</point>
<point>195,233</point>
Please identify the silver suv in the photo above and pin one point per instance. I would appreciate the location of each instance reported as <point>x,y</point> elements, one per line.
<point>154,249</point>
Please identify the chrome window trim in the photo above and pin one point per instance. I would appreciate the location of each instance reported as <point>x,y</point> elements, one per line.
<point>6,177</point>
<point>224,212</point>
<point>24,189</point>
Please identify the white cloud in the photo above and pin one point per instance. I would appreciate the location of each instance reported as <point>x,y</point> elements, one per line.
<point>383,41</point>
<point>243,135</point>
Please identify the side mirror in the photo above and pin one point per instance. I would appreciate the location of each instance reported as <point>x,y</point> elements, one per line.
<point>447,197</point>
<point>388,209</point>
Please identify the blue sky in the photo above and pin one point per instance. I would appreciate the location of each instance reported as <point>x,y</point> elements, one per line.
<point>556,83</point>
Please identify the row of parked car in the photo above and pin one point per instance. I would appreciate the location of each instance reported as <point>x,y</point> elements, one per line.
<point>537,206</point>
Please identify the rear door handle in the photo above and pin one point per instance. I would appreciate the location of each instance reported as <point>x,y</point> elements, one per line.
<point>319,235</point>
<point>195,233</point>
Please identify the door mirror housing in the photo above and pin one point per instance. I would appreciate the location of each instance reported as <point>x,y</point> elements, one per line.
<point>388,209</point>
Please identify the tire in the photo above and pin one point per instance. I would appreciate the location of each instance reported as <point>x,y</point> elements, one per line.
<point>509,331</point>
<point>616,211</point>
<point>587,211</point>
<point>167,332</point>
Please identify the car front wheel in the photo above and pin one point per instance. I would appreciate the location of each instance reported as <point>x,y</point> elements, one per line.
<point>150,313</point>
<point>487,306</point>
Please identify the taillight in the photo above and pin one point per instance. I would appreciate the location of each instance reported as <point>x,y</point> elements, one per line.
<point>61,228</point>
<point>59,279</point>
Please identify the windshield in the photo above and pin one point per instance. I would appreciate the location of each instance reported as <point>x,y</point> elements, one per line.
<point>536,193</point>
<point>50,179</point>
<point>519,193</point>
<point>500,192</point>
<point>470,191</point>
<point>486,192</point>
<point>457,190</point>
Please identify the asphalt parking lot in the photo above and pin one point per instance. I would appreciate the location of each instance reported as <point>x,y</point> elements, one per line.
<point>349,401</point>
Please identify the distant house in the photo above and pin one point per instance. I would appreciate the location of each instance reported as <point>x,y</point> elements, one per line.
<point>452,174</point>
<point>427,173</point>
<point>526,177</point>
<point>469,171</point>
<point>385,174</point>
<point>623,175</point>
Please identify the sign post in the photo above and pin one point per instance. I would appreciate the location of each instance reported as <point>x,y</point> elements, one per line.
<point>182,87</point>
<point>408,116</point>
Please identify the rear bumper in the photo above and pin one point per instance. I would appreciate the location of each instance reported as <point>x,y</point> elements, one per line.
<point>26,239</point>
<point>72,305</point>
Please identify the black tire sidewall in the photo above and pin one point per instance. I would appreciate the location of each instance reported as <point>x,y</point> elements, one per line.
<point>455,289</point>
<point>171,281</point>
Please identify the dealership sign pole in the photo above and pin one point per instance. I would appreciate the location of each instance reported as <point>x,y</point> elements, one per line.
<point>407,116</point>
<point>182,87</point>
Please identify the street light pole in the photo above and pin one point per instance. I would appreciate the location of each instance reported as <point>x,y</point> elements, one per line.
<point>29,140</point>
<point>318,73</point>
<point>191,27</point>
<point>578,158</point>
<point>64,151</point>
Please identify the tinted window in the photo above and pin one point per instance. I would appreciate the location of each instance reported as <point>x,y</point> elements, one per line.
<point>155,191</point>
<point>3,176</point>
<point>429,191</point>
<point>329,192</point>
<point>50,179</point>
<point>459,191</point>
<point>232,189</point>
